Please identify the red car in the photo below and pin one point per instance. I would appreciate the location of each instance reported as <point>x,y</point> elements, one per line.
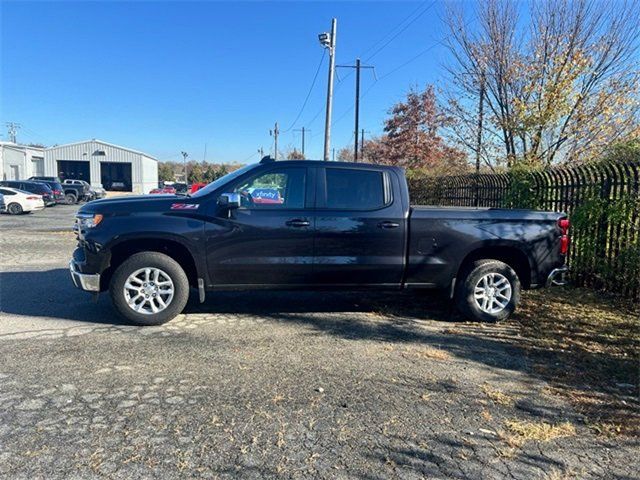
<point>164,190</point>
<point>197,186</point>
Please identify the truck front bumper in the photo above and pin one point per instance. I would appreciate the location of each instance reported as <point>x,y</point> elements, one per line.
<point>556,277</point>
<point>84,281</point>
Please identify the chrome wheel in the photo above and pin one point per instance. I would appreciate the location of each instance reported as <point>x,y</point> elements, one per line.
<point>148,290</point>
<point>492,293</point>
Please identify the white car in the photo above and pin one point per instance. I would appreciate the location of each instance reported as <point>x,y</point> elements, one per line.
<point>19,201</point>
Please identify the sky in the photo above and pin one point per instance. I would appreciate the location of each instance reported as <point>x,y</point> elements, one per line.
<point>166,77</point>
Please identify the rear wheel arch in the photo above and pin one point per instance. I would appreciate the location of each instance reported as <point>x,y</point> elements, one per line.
<point>509,254</point>
<point>122,251</point>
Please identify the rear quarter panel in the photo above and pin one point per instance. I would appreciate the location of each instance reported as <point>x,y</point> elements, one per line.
<point>440,239</point>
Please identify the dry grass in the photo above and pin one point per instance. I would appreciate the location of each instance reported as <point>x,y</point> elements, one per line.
<point>586,347</point>
<point>428,352</point>
<point>540,431</point>
<point>498,396</point>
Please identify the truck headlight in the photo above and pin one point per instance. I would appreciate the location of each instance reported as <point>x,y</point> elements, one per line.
<point>88,220</point>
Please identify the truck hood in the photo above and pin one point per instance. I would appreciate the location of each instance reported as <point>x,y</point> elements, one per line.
<point>134,204</point>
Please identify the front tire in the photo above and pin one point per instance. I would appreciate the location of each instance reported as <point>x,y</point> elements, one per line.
<point>149,288</point>
<point>15,209</point>
<point>488,290</point>
<point>70,198</point>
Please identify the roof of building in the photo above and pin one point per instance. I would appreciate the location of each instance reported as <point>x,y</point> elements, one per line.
<point>19,146</point>
<point>95,140</point>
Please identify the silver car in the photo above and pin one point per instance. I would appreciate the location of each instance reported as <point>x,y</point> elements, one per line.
<point>95,191</point>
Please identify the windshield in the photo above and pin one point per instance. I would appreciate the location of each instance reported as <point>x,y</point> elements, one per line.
<point>222,180</point>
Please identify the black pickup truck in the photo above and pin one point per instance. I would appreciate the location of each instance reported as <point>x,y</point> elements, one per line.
<point>314,225</point>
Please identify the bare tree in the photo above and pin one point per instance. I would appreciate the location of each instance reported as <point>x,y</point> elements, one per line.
<point>562,90</point>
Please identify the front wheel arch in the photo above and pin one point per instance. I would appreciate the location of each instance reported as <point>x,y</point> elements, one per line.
<point>125,249</point>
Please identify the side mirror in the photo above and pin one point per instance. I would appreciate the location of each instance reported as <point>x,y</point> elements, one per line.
<point>229,200</point>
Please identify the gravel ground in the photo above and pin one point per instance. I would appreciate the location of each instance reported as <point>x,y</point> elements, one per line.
<point>264,384</point>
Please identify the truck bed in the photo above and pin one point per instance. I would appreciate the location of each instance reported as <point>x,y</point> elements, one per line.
<point>440,238</point>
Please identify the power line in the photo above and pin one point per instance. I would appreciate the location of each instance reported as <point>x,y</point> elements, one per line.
<point>250,157</point>
<point>342,81</point>
<point>304,104</point>
<point>391,72</point>
<point>413,12</point>
<point>399,32</point>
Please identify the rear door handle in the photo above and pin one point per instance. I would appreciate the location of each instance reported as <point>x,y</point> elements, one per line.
<point>298,222</point>
<point>388,225</point>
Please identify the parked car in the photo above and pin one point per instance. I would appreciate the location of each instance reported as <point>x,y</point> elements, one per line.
<point>181,188</point>
<point>339,225</point>
<point>3,206</point>
<point>164,190</point>
<point>38,188</point>
<point>19,201</point>
<point>95,191</point>
<point>197,186</point>
<point>72,193</point>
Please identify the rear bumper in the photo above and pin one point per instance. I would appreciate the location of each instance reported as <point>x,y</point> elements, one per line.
<point>557,277</point>
<point>84,281</point>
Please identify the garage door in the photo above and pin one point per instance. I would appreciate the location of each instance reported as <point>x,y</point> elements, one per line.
<point>116,176</point>
<point>74,169</point>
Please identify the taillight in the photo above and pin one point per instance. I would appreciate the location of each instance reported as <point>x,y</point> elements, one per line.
<point>33,198</point>
<point>564,225</point>
<point>57,192</point>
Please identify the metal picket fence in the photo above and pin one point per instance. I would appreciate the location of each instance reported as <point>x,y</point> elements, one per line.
<point>602,200</point>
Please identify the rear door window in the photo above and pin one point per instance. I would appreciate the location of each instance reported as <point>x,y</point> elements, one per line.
<point>349,189</point>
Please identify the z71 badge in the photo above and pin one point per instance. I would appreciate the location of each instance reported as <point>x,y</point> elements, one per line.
<point>185,206</point>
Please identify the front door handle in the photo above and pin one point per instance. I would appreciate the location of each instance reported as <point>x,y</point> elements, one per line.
<point>298,222</point>
<point>388,225</point>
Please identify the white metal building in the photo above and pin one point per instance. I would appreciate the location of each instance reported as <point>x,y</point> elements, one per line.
<point>18,162</point>
<point>97,162</point>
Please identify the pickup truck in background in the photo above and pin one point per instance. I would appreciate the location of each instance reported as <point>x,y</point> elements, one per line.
<point>325,225</point>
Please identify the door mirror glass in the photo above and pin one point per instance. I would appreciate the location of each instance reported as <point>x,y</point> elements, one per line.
<point>229,200</point>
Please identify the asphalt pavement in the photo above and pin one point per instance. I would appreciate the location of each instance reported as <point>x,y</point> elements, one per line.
<point>267,384</point>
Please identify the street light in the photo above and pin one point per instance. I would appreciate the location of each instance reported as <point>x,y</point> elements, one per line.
<point>184,156</point>
<point>325,39</point>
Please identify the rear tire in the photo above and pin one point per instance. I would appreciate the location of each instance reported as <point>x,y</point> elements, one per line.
<point>488,290</point>
<point>161,272</point>
<point>70,198</point>
<point>14,208</point>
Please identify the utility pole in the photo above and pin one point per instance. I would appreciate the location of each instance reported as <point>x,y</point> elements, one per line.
<point>328,40</point>
<point>274,133</point>
<point>334,154</point>
<point>186,176</point>
<point>480,120</point>
<point>303,130</point>
<point>479,145</point>
<point>12,128</point>
<point>357,66</point>
<point>362,132</point>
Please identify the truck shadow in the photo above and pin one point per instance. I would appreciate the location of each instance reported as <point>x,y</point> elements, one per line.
<point>50,294</point>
